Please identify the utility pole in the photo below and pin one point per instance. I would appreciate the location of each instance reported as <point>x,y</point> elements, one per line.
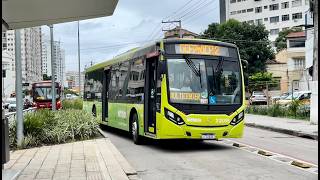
<point>53,77</point>
<point>315,46</point>
<point>19,102</point>
<point>79,60</point>
<point>180,26</point>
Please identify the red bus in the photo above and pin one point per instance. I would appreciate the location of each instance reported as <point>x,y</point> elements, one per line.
<point>41,95</point>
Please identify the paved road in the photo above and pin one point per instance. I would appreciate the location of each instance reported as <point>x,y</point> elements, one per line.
<point>296,147</point>
<point>195,160</point>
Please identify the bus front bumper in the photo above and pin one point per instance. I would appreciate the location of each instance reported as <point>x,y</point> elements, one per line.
<point>173,131</point>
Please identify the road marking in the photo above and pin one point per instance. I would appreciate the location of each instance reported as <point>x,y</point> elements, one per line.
<point>306,166</point>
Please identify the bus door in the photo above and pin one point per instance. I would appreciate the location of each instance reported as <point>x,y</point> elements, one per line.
<point>106,81</point>
<point>150,96</point>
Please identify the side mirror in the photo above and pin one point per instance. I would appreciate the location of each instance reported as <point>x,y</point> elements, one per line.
<point>244,62</point>
<point>161,68</point>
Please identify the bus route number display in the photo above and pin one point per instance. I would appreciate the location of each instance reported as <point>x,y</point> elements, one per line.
<point>201,49</point>
<point>184,97</point>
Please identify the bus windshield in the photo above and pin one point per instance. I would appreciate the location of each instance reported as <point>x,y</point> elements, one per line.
<point>44,93</point>
<point>210,81</point>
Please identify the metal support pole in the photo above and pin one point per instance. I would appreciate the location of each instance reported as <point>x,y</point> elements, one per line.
<point>79,61</point>
<point>53,88</point>
<point>19,101</point>
<point>180,33</point>
<point>267,93</point>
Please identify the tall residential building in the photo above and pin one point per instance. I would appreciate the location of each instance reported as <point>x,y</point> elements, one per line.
<point>31,59</point>
<point>46,55</point>
<point>59,59</point>
<point>276,15</point>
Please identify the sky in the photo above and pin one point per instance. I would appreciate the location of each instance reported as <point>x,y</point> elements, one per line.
<point>133,23</point>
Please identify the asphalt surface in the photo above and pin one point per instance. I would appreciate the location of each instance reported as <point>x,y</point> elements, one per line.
<point>292,146</point>
<point>189,160</point>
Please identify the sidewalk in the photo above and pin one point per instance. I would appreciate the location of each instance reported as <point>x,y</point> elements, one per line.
<point>92,159</point>
<point>293,127</point>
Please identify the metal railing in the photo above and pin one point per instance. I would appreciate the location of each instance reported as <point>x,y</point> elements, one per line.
<point>12,115</point>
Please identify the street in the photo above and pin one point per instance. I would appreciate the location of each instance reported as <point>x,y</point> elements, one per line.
<point>215,160</point>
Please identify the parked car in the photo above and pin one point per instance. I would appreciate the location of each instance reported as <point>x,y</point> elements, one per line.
<point>258,97</point>
<point>12,104</point>
<point>282,96</point>
<point>68,96</point>
<point>303,96</point>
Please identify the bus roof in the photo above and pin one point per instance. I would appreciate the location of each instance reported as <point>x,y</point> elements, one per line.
<point>139,51</point>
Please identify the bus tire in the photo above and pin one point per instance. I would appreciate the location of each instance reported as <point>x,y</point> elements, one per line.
<point>94,111</point>
<point>135,129</point>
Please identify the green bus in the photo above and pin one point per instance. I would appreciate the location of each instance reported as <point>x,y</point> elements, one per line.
<point>171,89</point>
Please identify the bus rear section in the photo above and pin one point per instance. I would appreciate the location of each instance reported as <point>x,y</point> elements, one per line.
<point>42,97</point>
<point>176,89</point>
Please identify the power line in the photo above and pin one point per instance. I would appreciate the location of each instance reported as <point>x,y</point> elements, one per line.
<point>172,14</point>
<point>195,8</point>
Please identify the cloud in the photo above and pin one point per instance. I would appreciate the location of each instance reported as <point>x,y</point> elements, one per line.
<point>132,23</point>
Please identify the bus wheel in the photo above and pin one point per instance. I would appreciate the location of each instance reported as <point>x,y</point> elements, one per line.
<point>94,111</point>
<point>135,129</point>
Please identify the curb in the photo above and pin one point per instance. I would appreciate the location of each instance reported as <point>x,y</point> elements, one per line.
<point>313,168</point>
<point>285,131</point>
<point>126,167</point>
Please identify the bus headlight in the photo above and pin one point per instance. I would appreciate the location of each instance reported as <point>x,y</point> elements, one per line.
<point>238,118</point>
<point>173,117</point>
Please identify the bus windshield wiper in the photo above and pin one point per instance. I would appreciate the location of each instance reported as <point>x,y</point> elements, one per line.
<point>194,68</point>
<point>219,68</point>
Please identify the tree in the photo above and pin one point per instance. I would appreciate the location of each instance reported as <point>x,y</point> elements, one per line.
<point>46,77</point>
<point>281,41</point>
<point>252,41</point>
<point>258,81</point>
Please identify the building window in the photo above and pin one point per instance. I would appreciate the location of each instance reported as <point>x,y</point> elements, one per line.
<point>296,3</point>
<point>298,63</point>
<point>274,19</point>
<point>243,11</point>
<point>233,12</point>
<point>265,7</point>
<point>250,22</point>
<point>250,10</point>
<point>265,19</point>
<point>285,17</point>
<point>296,43</point>
<point>258,9</point>
<point>285,5</point>
<point>259,21</point>
<point>297,16</point>
<point>233,1</point>
<point>274,31</point>
<point>239,12</point>
<point>274,7</point>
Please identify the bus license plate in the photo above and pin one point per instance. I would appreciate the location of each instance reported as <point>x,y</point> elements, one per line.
<point>208,136</point>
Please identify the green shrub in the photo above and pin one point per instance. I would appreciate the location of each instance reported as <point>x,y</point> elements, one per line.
<point>72,104</point>
<point>45,127</point>
<point>293,110</point>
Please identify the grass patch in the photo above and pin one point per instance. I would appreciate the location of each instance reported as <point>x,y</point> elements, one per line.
<point>72,104</point>
<point>45,127</point>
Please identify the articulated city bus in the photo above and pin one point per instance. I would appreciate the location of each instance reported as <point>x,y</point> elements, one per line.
<point>178,88</point>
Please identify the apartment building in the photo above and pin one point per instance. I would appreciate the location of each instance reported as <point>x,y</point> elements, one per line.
<point>31,59</point>
<point>276,15</point>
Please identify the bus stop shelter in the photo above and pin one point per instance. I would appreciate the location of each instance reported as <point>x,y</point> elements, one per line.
<point>17,14</point>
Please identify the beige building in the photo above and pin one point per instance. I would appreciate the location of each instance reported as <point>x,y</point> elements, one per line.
<point>175,33</point>
<point>289,65</point>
